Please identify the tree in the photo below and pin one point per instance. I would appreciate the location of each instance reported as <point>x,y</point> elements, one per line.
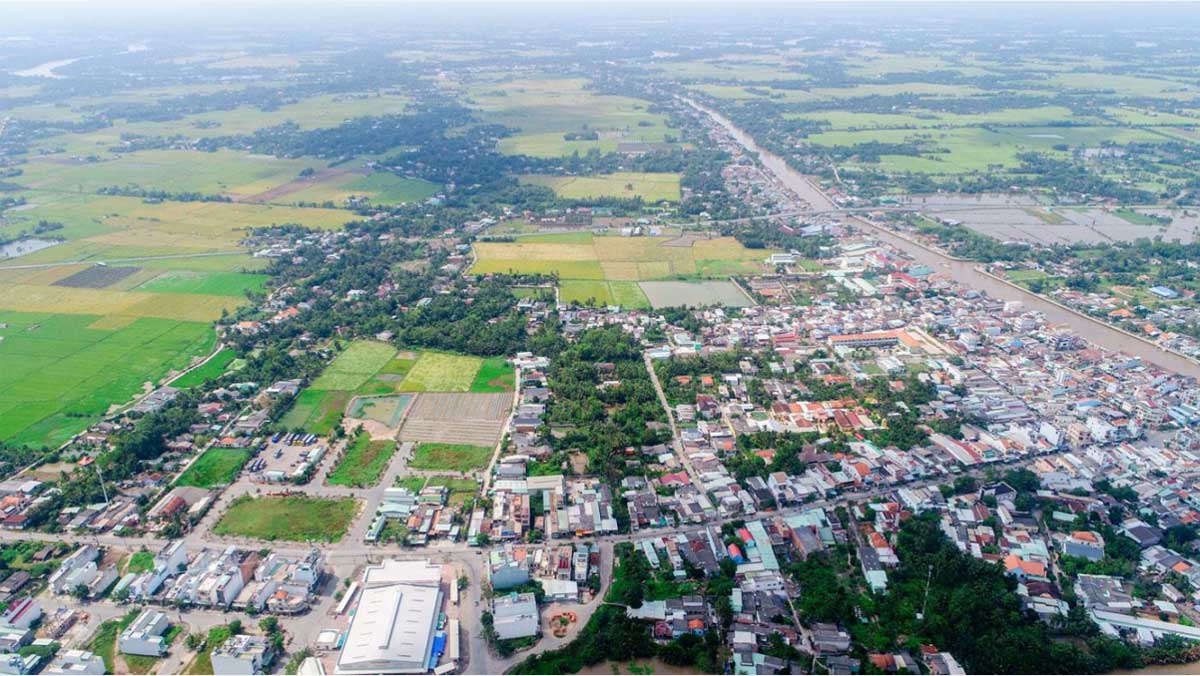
<point>269,624</point>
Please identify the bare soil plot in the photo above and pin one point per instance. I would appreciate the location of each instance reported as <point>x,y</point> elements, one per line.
<point>472,418</point>
<point>96,277</point>
<point>694,294</point>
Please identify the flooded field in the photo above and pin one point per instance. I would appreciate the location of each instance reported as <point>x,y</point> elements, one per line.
<point>695,294</point>
<point>1066,225</point>
<point>26,245</point>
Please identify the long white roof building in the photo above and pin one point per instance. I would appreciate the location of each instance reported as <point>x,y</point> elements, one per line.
<point>392,630</point>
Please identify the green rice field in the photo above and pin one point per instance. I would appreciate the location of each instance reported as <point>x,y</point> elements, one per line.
<point>63,371</point>
<point>369,373</point>
<point>213,368</point>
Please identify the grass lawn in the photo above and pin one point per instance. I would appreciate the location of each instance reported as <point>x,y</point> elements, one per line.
<point>292,518</point>
<point>104,643</point>
<point>1026,275</point>
<point>140,664</point>
<point>213,368</point>
<point>412,483</point>
<point>440,372</point>
<point>140,562</point>
<point>460,489</point>
<point>363,462</point>
<point>451,457</point>
<point>217,467</point>
<point>202,664</point>
<point>495,375</point>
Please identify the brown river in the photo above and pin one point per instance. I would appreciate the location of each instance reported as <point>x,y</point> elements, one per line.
<point>965,272</point>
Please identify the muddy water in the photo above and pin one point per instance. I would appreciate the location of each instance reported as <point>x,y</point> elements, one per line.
<point>26,245</point>
<point>965,272</point>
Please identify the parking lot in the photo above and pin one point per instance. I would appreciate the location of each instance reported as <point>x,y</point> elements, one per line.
<point>286,457</point>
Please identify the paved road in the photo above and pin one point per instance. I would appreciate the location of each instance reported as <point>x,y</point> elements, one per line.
<point>676,443</point>
<point>964,272</point>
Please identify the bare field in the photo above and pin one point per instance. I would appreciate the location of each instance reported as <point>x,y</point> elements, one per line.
<point>457,418</point>
<point>694,294</point>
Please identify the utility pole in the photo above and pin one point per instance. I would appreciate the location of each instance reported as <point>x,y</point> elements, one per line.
<point>925,602</point>
<point>102,488</point>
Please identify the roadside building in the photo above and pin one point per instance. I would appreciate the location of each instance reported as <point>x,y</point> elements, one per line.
<point>144,636</point>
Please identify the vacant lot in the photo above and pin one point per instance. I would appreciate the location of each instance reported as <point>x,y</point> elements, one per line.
<point>649,187</point>
<point>217,467</point>
<point>202,663</point>
<point>438,372</point>
<point>495,375</point>
<point>472,418</point>
<point>292,518</point>
<point>461,490</point>
<point>363,462</point>
<point>695,294</point>
<point>450,457</point>
<point>140,562</point>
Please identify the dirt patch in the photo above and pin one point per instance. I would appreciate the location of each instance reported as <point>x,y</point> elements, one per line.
<point>579,462</point>
<point>457,418</point>
<point>295,185</point>
<point>686,240</point>
<point>96,277</point>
